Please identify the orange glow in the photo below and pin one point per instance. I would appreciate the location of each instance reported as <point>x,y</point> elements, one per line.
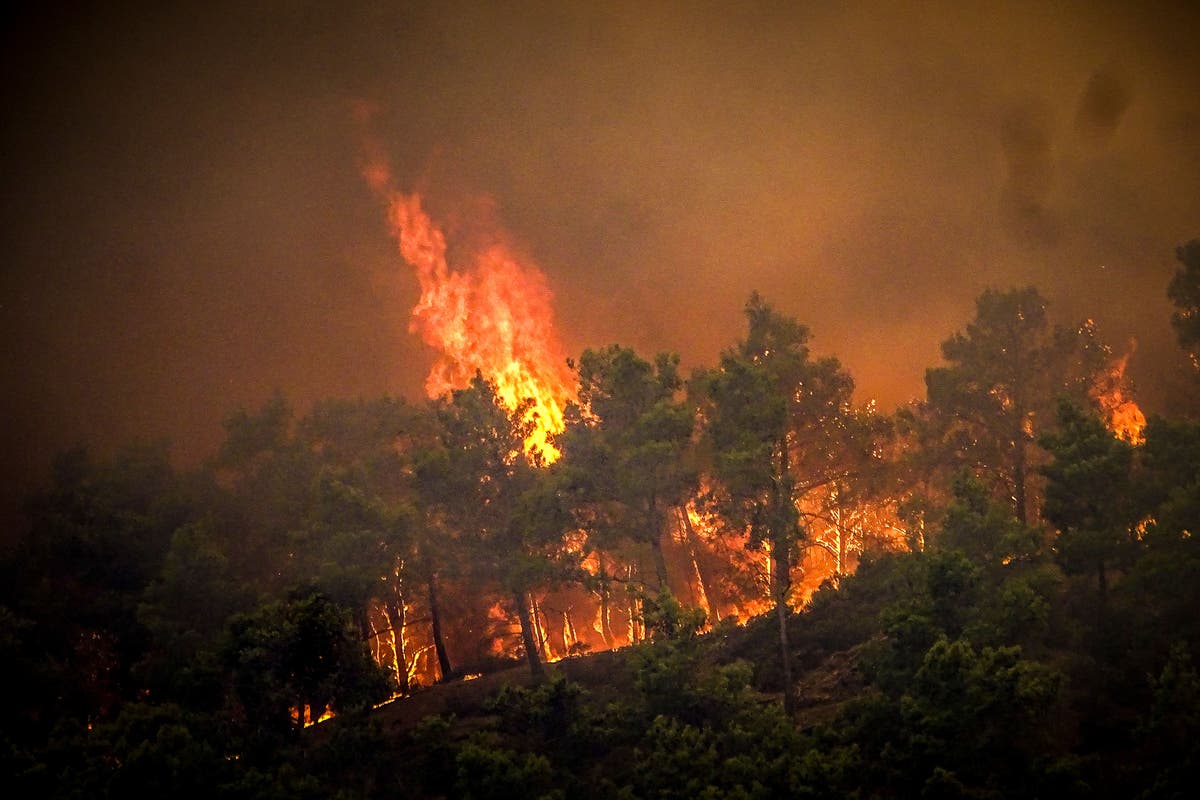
<point>1121,412</point>
<point>840,528</point>
<point>740,578</point>
<point>499,619</point>
<point>492,313</point>
<point>307,719</point>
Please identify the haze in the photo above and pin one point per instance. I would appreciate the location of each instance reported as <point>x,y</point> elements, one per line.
<point>185,228</point>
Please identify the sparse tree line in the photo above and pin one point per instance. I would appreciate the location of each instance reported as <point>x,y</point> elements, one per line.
<point>170,628</point>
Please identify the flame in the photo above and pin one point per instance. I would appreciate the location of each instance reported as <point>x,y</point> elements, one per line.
<point>492,314</point>
<point>306,717</point>
<point>1143,526</point>
<point>488,311</point>
<point>840,528</point>
<point>1112,394</point>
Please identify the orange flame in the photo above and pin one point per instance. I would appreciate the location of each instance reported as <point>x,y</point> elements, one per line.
<point>307,717</point>
<point>493,316</point>
<point>1121,412</point>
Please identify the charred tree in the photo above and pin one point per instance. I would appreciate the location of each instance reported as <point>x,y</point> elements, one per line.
<point>695,546</point>
<point>528,635</point>
<point>435,618</point>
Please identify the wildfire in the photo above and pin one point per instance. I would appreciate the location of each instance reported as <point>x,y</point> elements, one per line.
<point>491,314</point>
<point>486,310</point>
<point>1121,412</point>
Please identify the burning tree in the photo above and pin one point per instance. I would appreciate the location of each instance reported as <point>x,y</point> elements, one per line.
<point>848,502</point>
<point>999,389</point>
<point>625,450</point>
<point>490,313</point>
<point>501,507</point>
<point>772,415</point>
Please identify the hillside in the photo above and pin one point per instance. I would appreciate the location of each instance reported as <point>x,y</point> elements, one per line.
<point>926,674</point>
<point>991,594</point>
<point>607,676</point>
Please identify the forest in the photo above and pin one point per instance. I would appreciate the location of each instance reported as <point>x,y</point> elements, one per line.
<point>988,593</point>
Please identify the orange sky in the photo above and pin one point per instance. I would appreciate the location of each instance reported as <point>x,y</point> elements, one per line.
<point>185,228</point>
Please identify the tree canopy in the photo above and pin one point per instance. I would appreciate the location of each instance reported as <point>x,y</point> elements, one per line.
<point>990,592</point>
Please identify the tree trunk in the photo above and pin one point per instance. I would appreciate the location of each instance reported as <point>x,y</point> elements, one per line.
<point>435,616</point>
<point>842,536</point>
<point>781,584</point>
<point>540,628</point>
<point>660,563</point>
<point>781,573</point>
<point>394,608</point>
<point>374,644</point>
<point>606,631</point>
<point>1019,469</point>
<point>570,634</point>
<point>363,622</point>
<point>528,639</point>
<point>710,603</point>
<point>635,613</point>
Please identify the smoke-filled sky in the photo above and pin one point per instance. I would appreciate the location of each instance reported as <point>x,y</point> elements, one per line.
<point>185,228</point>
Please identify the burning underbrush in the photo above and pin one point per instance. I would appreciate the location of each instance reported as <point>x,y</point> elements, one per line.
<point>603,608</point>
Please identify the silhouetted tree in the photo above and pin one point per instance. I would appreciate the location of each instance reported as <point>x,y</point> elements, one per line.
<point>997,392</point>
<point>1089,494</point>
<point>98,539</point>
<point>295,659</point>
<point>1184,292</point>
<point>624,448</point>
<point>501,506</point>
<point>772,416</point>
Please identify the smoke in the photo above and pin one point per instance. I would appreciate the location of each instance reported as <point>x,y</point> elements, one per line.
<point>1101,107</point>
<point>1026,137</point>
<point>186,227</point>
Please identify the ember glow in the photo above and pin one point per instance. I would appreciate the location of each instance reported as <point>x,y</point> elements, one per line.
<point>492,314</point>
<point>307,718</point>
